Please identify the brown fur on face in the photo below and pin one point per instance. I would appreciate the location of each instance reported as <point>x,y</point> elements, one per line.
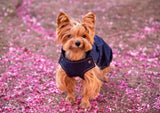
<point>77,38</point>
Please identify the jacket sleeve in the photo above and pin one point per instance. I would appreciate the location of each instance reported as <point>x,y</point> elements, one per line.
<point>102,53</point>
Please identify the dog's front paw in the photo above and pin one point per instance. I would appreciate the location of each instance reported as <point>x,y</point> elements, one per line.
<point>70,99</point>
<point>85,105</point>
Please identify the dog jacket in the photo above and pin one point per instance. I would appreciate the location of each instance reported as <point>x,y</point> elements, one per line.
<point>101,55</point>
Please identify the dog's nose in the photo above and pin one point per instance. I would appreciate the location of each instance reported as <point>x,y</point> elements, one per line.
<point>77,43</point>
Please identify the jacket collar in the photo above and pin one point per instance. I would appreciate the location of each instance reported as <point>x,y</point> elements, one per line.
<point>63,55</point>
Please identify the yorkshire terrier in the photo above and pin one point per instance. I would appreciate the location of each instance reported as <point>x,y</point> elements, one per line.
<point>83,54</point>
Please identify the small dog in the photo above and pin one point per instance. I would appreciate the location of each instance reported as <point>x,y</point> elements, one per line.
<point>83,54</point>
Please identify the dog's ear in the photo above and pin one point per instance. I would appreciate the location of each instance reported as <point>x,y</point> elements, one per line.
<point>89,19</point>
<point>62,19</point>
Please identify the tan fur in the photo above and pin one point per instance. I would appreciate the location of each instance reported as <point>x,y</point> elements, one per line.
<point>68,33</point>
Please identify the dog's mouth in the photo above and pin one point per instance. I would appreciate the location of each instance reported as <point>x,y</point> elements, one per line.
<point>86,53</point>
<point>75,48</point>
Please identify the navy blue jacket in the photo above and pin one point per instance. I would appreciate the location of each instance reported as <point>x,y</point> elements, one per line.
<point>101,55</point>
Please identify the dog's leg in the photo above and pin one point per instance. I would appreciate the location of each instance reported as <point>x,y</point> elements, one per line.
<point>70,86</point>
<point>104,72</point>
<point>101,74</point>
<point>66,83</point>
<point>91,88</point>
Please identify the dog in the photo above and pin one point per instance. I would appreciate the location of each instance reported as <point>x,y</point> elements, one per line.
<point>83,54</point>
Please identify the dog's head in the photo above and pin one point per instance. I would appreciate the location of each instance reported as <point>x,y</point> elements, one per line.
<point>75,35</point>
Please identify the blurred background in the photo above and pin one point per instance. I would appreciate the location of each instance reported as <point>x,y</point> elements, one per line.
<point>29,54</point>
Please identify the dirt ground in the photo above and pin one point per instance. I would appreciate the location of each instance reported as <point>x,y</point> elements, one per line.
<point>29,55</point>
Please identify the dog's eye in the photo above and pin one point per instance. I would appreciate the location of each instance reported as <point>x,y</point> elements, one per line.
<point>69,36</point>
<point>84,36</point>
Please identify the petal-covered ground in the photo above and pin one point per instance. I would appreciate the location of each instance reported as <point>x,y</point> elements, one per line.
<point>29,55</point>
